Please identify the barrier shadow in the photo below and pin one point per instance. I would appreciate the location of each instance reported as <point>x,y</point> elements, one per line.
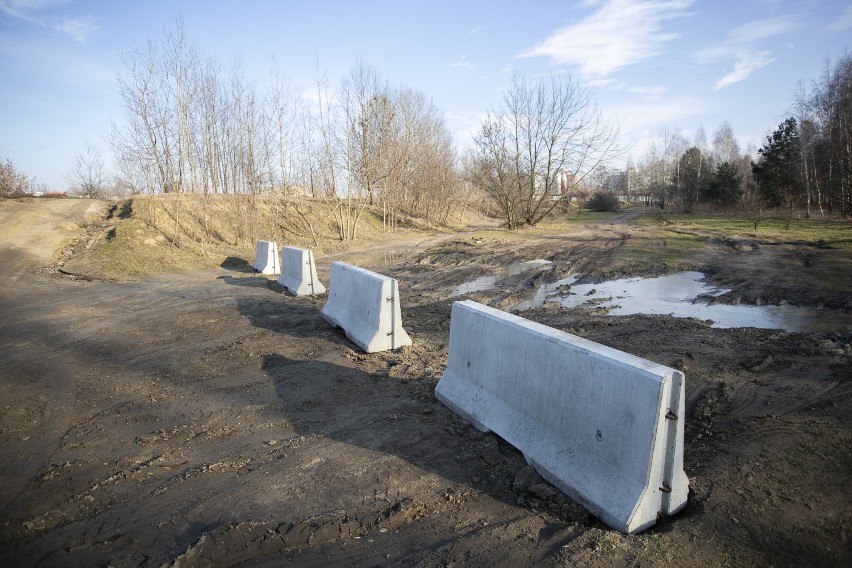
<point>380,414</point>
<point>250,282</point>
<point>237,264</point>
<point>362,405</point>
<point>293,316</point>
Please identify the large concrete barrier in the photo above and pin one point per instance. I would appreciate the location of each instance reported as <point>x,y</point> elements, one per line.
<point>299,272</point>
<point>266,258</point>
<point>366,306</point>
<point>603,426</point>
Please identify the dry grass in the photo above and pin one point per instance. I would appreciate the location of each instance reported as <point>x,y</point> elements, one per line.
<point>151,235</point>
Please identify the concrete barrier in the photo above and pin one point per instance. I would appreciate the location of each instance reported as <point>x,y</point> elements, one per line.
<point>299,272</point>
<point>266,258</point>
<point>601,425</point>
<point>366,306</point>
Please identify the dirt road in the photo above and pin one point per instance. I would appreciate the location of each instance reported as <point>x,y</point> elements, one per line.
<point>209,418</point>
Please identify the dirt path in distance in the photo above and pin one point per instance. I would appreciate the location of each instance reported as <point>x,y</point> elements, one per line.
<point>34,231</point>
<point>209,418</point>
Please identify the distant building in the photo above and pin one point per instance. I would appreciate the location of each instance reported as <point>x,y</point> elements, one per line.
<point>565,182</point>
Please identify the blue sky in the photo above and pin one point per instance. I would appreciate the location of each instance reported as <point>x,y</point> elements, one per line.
<point>650,64</point>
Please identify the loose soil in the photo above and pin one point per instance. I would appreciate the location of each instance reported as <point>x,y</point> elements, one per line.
<point>208,418</point>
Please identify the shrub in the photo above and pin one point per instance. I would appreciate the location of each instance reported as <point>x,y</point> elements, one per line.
<point>12,182</point>
<point>603,201</point>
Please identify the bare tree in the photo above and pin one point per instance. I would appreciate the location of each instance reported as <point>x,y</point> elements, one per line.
<point>831,114</point>
<point>539,144</point>
<point>367,113</point>
<point>283,107</point>
<point>725,145</point>
<point>419,158</point>
<point>190,127</point>
<point>87,175</point>
<point>13,182</point>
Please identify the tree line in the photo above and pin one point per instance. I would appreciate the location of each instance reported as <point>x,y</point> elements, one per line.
<point>805,164</point>
<point>192,126</point>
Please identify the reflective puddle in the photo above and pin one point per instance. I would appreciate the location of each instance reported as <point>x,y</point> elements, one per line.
<point>489,282</point>
<point>684,294</point>
<point>381,258</point>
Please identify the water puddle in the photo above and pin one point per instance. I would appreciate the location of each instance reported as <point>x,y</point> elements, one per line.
<point>381,258</point>
<point>684,295</point>
<point>547,293</point>
<point>489,282</point>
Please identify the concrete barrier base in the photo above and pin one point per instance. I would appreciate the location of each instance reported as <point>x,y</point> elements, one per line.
<point>266,258</point>
<point>603,426</point>
<point>299,272</point>
<point>366,306</point>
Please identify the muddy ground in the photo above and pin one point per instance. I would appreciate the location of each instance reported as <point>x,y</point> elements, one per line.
<point>209,418</point>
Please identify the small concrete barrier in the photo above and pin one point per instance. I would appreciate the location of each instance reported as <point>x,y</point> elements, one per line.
<point>299,272</point>
<point>266,258</point>
<point>603,426</point>
<point>366,306</point>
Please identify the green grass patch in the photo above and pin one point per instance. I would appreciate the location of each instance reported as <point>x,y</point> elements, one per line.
<point>552,225</point>
<point>812,232</point>
<point>653,250</point>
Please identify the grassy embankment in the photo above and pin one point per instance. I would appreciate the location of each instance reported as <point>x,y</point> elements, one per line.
<point>145,237</point>
<point>148,235</point>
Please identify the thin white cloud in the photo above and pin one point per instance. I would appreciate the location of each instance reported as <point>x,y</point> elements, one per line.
<point>762,29</point>
<point>477,30</point>
<point>619,33</point>
<point>600,83</point>
<point>642,118</point>
<point>62,65</point>
<point>78,28</point>
<point>311,94</point>
<point>842,22</point>
<point>40,13</point>
<point>464,125</point>
<point>743,46</point>
<point>649,90</point>
<point>746,64</point>
<point>461,63</point>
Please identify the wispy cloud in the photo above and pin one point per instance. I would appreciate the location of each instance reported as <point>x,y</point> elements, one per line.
<point>617,34</point>
<point>312,98</point>
<point>41,13</point>
<point>743,46</point>
<point>477,30</point>
<point>465,126</point>
<point>461,62</point>
<point>61,64</point>
<point>601,83</point>
<point>747,63</point>
<point>648,90</point>
<point>640,121</point>
<point>843,22</point>
<point>643,117</point>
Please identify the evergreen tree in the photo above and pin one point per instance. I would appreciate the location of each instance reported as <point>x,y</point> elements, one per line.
<point>726,186</point>
<point>778,171</point>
